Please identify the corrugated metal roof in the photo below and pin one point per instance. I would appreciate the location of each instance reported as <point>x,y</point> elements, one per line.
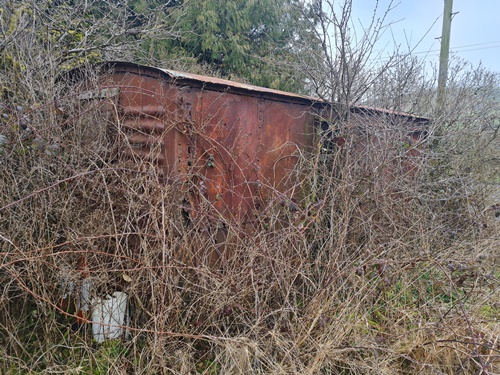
<point>232,84</point>
<point>389,112</point>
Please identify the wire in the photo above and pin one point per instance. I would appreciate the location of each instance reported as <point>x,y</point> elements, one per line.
<point>453,49</point>
<point>465,46</point>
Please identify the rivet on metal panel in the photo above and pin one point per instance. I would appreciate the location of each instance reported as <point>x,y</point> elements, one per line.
<point>210,161</point>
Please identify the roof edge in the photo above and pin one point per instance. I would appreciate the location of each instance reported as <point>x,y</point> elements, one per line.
<point>217,83</point>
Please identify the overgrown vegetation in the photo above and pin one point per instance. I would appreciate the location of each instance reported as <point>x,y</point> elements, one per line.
<point>261,42</point>
<point>378,271</point>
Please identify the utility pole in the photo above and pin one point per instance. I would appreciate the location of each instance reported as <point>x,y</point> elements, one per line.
<point>445,52</point>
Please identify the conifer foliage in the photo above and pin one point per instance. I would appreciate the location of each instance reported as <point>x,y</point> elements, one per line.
<point>259,41</point>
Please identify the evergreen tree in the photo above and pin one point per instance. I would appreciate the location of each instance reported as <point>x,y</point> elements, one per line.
<point>259,41</point>
<point>263,42</point>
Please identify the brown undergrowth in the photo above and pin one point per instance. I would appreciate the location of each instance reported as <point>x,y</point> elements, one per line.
<point>374,272</point>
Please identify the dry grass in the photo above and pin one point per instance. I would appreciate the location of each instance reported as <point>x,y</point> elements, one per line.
<point>378,273</point>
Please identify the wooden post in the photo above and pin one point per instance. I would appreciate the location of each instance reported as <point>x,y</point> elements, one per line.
<point>445,52</point>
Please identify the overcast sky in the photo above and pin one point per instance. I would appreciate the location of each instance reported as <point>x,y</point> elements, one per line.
<point>475,29</point>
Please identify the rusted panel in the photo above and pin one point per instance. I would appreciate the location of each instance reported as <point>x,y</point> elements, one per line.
<point>399,136</point>
<point>246,149</point>
<point>287,131</point>
<point>227,124</point>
